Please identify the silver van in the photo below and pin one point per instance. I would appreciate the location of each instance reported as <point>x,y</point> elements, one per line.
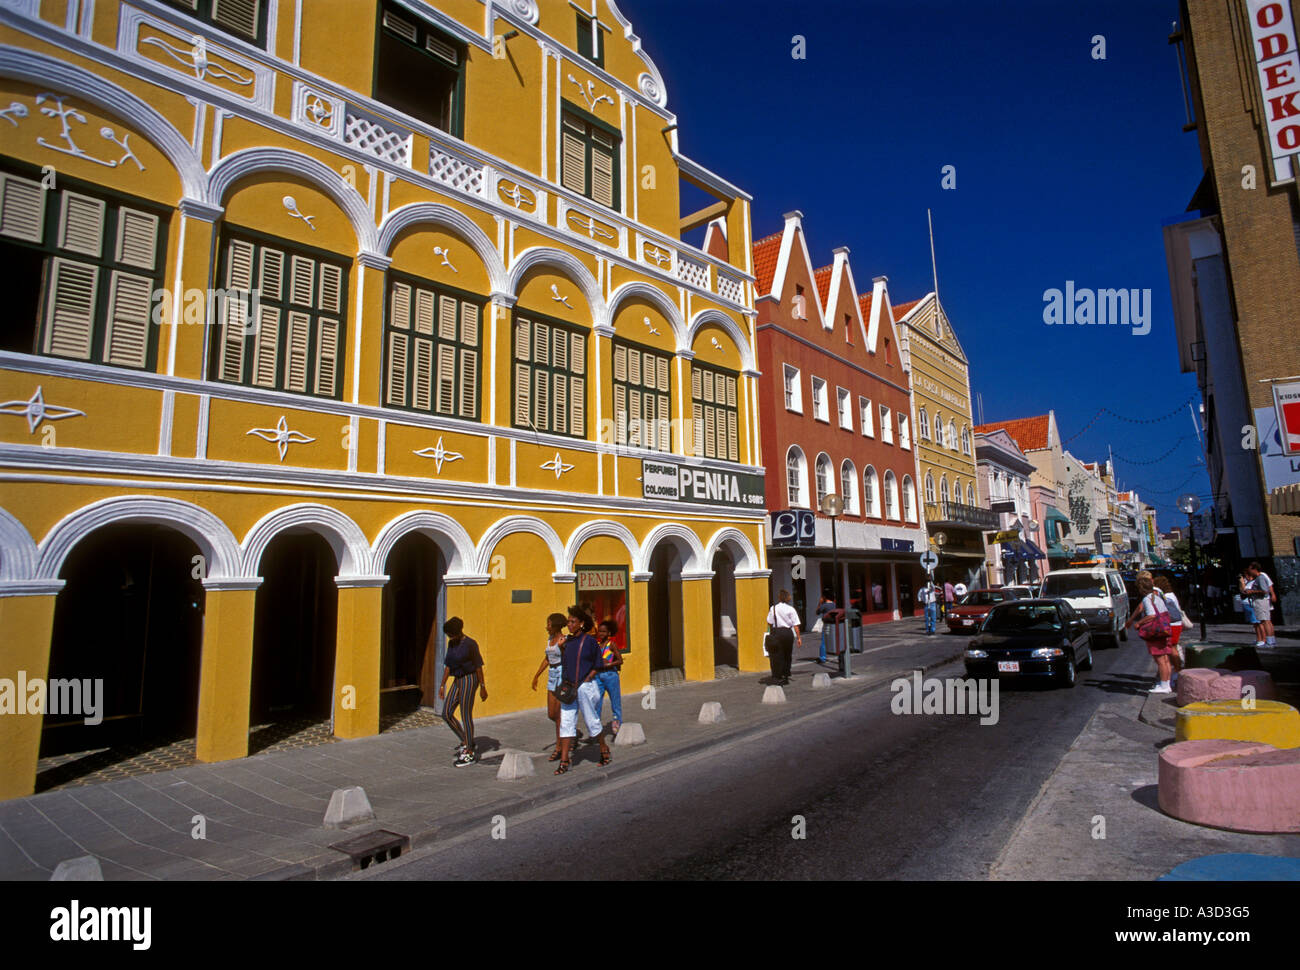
<point>1097,594</point>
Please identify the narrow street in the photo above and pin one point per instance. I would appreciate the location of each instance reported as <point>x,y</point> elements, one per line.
<point>883,796</point>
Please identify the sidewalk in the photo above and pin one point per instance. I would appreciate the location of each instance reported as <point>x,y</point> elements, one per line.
<point>263,814</point>
<point>1097,817</point>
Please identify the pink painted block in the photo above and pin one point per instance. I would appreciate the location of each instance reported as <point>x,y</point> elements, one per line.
<point>1225,688</point>
<point>1261,680</point>
<point>1194,685</point>
<point>1238,785</point>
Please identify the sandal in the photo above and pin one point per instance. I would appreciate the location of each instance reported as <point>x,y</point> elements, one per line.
<point>564,766</point>
<point>605,757</point>
<point>555,755</point>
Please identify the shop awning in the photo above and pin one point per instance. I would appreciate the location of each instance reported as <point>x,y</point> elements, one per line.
<point>1054,516</point>
<point>1032,551</point>
<point>1285,500</point>
<point>1022,550</point>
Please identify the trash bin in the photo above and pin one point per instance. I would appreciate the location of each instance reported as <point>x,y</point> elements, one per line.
<point>854,618</point>
<point>831,621</point>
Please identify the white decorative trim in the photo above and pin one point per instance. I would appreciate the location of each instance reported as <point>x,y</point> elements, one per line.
<point>210,534</point>
<point>20,555</point>
<point>564,578</point>
<point>599,527</point>
<point>692,574</point>
<point>752,574</point>
<point>467,579</point>
<point>439,455</point>
<point>234,167</point>
<point>651,83</point>
<point>291,206</point>
<point>436,214</point>
<point>566,263</point>
<point>280,436</point>
<point>448,534</point>
<point>46,588</point>
<point>577,222</point>
<point>192,57</point>
<point>453,170</point>
<point>374,261</point>
<point>686,542</point>
<point>711,315</point>
<point>736,541</point>
<point>198,209</point>
<point>317,111</point>
<point>26,8</point>
<point>351,550</point>
<point>510,525</point>
<point>660,300</point>
<point>556,298</point>
<point>35,410</point>
<point>360,582</point>
<point>165,425</point>
<point>557,465</point>
<point>641,577</point>
<point>239,584</point>
<point>42,70</point>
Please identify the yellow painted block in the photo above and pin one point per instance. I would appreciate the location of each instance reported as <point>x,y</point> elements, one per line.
<point>1269,722</point>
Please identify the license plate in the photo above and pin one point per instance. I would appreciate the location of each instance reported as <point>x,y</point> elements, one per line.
<point>1008,666</point>
<point>967,622</point>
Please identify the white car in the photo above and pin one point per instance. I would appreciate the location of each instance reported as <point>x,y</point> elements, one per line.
<point>1097,594</point>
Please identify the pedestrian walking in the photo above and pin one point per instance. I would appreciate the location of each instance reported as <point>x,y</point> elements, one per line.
<point>783,622</point>
<point>1178,622</point>
<point>463,662</point>
<point>877,596</point>
<point>949,593</point>
<point>825,606</point>
<point>930,600</point>
<point>607,681</point>
<point>580,657</point>
<point>1247,590</point>
<point>551,666</point>
<point>1154,629</point>
<point>1267,596</point>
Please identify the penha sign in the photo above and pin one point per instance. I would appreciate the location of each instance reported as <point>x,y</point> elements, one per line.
<point>702,486</point>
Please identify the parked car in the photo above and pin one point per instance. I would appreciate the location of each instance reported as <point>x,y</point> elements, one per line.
<point>1036,638</point>
<point>1097,594</point>
<point>1022,592</point>
<point>969,612</point>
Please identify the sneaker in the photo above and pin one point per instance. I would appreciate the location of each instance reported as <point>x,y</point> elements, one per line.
<point>1261,643</point>
<point>1161,688</point>
<point>464,760</point>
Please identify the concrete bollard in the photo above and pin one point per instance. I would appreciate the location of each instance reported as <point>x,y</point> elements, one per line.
<point>821,680</point>
<point>515,765</point>
<point>711,713</point>
<point>773,695</point>
<point>347,807</point>
<point>81,869</point>
<point>630,733</point>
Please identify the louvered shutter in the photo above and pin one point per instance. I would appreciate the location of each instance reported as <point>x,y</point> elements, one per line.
<point>523,330</point>
<point>399,307</point>
<point>733,442</point>
<point>620,414</point>
<point>695,384</point>
<point>126,341</point>
<point>402,28</point>
<point>239,16</point>
<point>559,401</point>
<point>634,425</point>
<point>541,399</point>
<point>710,433</point>
<point>22,208</point>
<point>397,365</point>
<point>468,383</point>
<point>523,395</point>
<point>424,311</point>
<point>731,392</point>
<point>662,375</point>
<point>697,430</point>
<point>302,281</point>
<point>560,351</point>
<point>331,288</point>
<point>469,314</point>
<point>665,426</point>
<point>573,163</point>
<point>578,353</point>
<point>620,363</point>
<point>634,367</point>
<point>602,170</point>
<point>70,313</point>
<point>422,379</point>
<point>444,50</point>
<point>81,224</point>
<point>271,284</point>
<point>327,358</point>
<point>234,310</point>
<point>137,238</point>
<point>447,318</point>
<point>446,380</point>
<point>541,343</point>
<point>577,407</point>
<point>297,350</point>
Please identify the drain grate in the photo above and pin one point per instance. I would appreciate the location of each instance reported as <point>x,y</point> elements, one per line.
<point>373,848</point>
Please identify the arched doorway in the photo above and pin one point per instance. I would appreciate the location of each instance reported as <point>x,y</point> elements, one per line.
<point>126,641</point>
<point>665,608</point>
<point>414,608</point>
<point>726,651</point>
<point>294,629</point>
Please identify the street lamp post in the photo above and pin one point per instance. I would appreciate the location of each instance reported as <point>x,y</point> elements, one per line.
<point>940,539</point>
<point>832,506</point>
<point>1189,503</point>
<point>1033,563</point>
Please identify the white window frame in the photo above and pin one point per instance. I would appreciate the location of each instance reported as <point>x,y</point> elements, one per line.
<point>904,431</point>
<point>797,501</point>
<point>843,404</point>
<point>866,416</point>
<point>923,416</point>
<point>909,499</point>
<point>871,494</point>
<point>930,494</point>
<point>793,390</point>
<point>823,461</point>
<point>849,487</point>
<point>886,424</point>
<point>891,496</point>
<point>820,404</point>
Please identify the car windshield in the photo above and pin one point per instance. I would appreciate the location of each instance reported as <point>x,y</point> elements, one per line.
<point>982,597</point>
<point>1022,618</point>
<point>1074,585</point>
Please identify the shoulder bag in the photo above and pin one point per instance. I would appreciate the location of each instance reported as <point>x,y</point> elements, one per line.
<point>1157,625</point>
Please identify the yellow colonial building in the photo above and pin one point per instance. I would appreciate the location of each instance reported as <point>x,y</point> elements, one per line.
<point>328,320</point>
<point>945,452</point>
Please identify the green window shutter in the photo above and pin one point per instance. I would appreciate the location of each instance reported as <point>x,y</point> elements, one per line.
<point>573,161</point>
<point>399,307</point>
<point>81,224</point>
<point>446,379</point>
<point>602,171</point>
<point>137,238</point>
<point>468,383</point>
<point>302,281</point>
<point>577,407</point>
<point>22,208</point>
<point>70,314</point>
<point>126,341</point>
<point>469,315</point>
<point>559,401</point>
<point>422,381</point>
<point>541,399</point>
<point>327,358</point>
<point>266,346</point>
<point>331,288</point>
<point>297,349</point>
<point>397,369</point>
<point>447,317</point>
<point>271,284</point>
<point>523,395</point>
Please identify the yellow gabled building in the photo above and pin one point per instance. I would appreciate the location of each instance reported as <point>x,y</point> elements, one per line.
<point>329,320</point>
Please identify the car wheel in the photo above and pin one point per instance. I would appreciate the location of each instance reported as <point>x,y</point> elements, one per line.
<point>1069,678</point>
<point>1088,665</point>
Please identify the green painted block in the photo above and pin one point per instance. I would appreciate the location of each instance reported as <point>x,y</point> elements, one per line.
<point>1227,657</point>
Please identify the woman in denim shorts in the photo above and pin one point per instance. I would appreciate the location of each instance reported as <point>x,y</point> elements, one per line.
<point>551,664</point>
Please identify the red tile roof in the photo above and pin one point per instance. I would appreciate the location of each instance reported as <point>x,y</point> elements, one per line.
<point>823,279</point>
<point>766,251</point>
<point>864,303</point>
<point>1029,434</point>
<point>900,309</point>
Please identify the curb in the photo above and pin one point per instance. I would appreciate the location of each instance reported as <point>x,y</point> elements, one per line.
<point>332,865</point>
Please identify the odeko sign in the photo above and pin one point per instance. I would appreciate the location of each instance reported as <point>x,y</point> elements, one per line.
<point>703,486</point>
<point>1286,398</point>
<point>1277,62</point>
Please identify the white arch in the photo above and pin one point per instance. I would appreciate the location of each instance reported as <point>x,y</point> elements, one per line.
<point>891,508</point>
<point>909,492</point>
<point>651,294</point>
<point>711,315</point>
<point>871,489</point>
<point>739,542</point>
<point>850,499</point>
<point>449,535</point>
<point>215,540</point>
<point>42,70</point>
<point>598,527</point>
<point>351,550</point>
<point>234,167</point>
<point>568,264</point>
<point>832,484</point>
<point>434,213</point>
<point>682,538</point>
<point>501,528</point>
<point>18,552</point>
<point>804,494</point>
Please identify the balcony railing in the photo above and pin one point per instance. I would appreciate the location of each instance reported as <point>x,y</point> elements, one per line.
<point>960,514</point>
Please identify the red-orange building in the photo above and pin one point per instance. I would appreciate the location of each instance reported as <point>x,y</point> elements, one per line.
<point>835,417</point>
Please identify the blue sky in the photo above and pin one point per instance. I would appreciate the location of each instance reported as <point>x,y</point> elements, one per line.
<point>1065,167</point>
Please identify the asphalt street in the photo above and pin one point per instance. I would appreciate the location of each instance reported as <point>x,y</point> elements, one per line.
<point>881,795</point>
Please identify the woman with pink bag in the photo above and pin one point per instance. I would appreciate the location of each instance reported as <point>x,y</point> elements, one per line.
<point>1154,628</point>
